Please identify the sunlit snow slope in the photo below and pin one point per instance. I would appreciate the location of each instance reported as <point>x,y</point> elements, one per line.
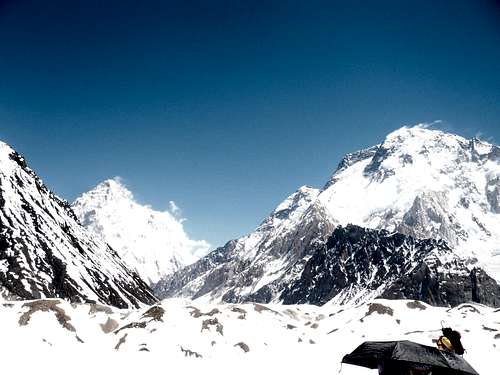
<point>152,242</point>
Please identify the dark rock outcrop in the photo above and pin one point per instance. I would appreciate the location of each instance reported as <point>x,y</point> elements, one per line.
<point>357,262</point>
<point>426,283</point>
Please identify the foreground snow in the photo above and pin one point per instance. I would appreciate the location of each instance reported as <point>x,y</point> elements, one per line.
<point>53,335</point>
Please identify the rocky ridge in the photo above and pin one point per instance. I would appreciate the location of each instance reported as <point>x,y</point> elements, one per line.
<point>45,252</point>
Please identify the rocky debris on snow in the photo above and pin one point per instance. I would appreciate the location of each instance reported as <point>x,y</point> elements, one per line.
<point>131,325</point>
<point>416,305</point>
<point>45,306</point>
<point>243,346</point>
<point>268,335</point>
<point>121,341</point>
<point>154,313</point>
<point>205,325</point>
<point>379,309</point>
<point>190,353</point>
<point>260,308</point>
<point>242,312</point>
<point>98,308</point>
<point>110,325</point>
<point>196,313</point>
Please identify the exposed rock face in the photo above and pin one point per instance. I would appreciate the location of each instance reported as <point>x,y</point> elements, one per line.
<point>429,217</point>
<point>357,262</point>
<point>493,194</point>
<point>253,267</point>
<point>45,252</point>
<point>426,283</point>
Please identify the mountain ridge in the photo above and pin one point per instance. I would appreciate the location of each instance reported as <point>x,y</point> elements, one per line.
<point>421,182</point>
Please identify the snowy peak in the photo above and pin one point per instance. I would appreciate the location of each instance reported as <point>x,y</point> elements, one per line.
<point>419,144</point>
<point>110,190</point>
<point>301,198</point>
<point>152,242</point>
<point>292,208</point>
<point>425,183</point>
<point>45,252</point>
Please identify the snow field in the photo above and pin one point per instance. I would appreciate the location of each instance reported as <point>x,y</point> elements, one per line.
<point>283,339</point>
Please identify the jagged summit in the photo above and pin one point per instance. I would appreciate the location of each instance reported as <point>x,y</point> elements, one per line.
<point>152,242</point>
<point>111,189</point>
<point>427,183</point>
<point>45,252</point>
<point>295,205</point>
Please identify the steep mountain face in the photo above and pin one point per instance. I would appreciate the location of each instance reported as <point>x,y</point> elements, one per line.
<point>357,264</point>
<point>419,182</point>
<point>425,183</point>
<point>45,252</point>
<point>254,267</point>
<point>151,242</point>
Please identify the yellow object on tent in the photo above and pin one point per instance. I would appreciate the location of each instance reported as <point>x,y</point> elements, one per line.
<point>444,344</point>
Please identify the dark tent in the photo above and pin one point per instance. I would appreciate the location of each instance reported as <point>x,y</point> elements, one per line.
<point>372,353</point>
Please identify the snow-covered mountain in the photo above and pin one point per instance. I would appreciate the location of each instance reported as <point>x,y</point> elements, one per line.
<point>45,252</point>
<point>425,183</point>
<point>420,182</point>
<point>152,242</point>
<point>202,338</point>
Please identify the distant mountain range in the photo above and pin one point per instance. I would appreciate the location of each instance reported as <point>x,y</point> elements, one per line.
<point>417,216</point>
<point>440,192</point>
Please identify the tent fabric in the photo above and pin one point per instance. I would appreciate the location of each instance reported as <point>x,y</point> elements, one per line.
<point>372,353</point>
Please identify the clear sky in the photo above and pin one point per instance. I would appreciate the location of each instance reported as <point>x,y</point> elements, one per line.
<point>227,107</point>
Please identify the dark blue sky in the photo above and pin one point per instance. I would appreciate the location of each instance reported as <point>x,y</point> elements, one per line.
<point>226,107</point>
